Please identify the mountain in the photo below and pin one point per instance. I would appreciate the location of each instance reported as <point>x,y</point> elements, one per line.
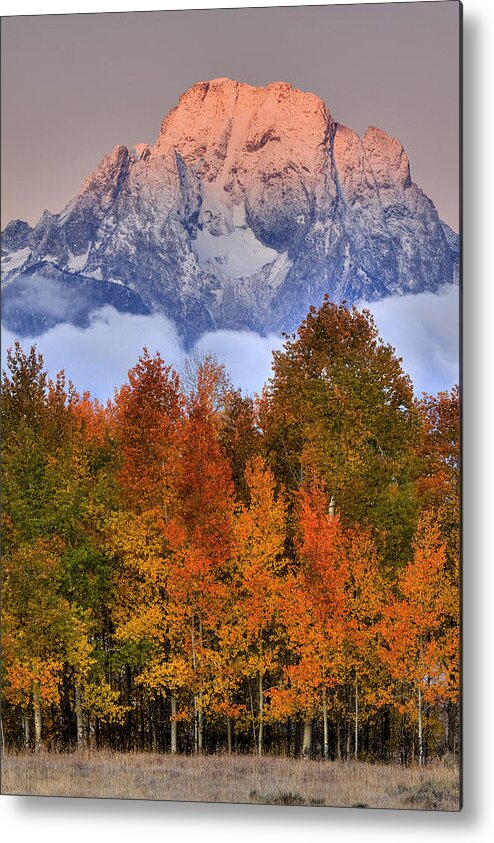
<point>252,204</point>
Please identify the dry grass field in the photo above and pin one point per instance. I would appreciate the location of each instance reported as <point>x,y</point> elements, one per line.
<point>242,779</point>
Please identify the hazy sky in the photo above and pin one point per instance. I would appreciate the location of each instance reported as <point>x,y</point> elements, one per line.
<point>73,86</point>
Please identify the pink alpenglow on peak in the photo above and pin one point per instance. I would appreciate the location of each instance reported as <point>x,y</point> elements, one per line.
<point>387,158</point>
<point>215,123</point>
<point>141,151</point>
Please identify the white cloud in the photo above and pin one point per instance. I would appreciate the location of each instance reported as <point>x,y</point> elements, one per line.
<point>422,328</point>
<point>246,356</point>
<point>98,358</point>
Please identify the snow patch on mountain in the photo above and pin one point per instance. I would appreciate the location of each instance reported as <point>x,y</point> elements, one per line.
<point>15,260</point>
<point>76,263</point>
<point>239,254</point>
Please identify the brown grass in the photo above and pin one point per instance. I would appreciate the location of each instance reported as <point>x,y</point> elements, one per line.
<point>268,780</point>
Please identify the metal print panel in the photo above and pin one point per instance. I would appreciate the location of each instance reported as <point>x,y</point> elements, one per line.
<point>230,405</point>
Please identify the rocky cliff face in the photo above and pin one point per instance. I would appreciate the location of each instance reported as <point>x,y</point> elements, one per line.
<point>251,205</point>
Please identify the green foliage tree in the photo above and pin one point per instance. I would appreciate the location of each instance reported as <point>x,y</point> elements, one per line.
<point>340,407</point>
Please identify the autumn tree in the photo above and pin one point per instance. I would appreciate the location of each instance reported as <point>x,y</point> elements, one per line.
<point>35,503</point>
<point>339,405</point>
<point>176,545</point>
<point>439,449</point>
<point>147,414</point>
<point>240,437</point>
<point>366,599</point>
<point>420,640</point>
<point>438,488</point>
<point>48,485</point>
<point>147,423</point>
<point>317,629</point>
<point>199,535</point>
<point>438,483</point>
<point>259,562</point>
<point>43,637</point>
<point>185,555</point>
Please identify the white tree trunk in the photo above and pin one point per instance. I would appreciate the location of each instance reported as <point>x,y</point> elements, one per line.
<point>194,665</point>
<point>325,725</point>
<point>78,714</point>
<point>37,718</point>
<point>200,712</point>
<point>419,706</point>
<point>200,725</point>
<point>261,714</point>
<point>252,715</point>
<point>173,727</point>
<point>307,738</point>
<point>27,730</point>
<point>229,734</point>
<point>421,741</point>
<point>356,717</point>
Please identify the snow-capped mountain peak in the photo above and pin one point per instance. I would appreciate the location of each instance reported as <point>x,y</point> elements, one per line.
<point>249,207</point>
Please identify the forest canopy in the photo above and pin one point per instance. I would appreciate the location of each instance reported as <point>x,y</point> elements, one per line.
<point>187,569</point>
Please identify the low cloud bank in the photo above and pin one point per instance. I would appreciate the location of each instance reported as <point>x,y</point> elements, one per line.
<point>422,328</point>
<point>99,357</point>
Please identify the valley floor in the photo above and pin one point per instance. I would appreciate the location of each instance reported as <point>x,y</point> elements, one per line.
<point>238,779</point>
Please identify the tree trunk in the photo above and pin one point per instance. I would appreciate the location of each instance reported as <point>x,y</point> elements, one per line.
<point>289,736</point>
<point>261,712</point>
<point>196,734</point>
<point>200,725</point>
<point>26,727</point>
<point>338,735</point>
<point>356,716</point>
<point>194,665</point>
<point>91,731</point>
<point>307,738</point>
<point>252,714</point>
<point>404,755</point>
<point>420,736</point>
<point>142,740</point>
<point>152,726</point>
<point>78,714</point>
<point>200,713</point>
<point>37,718</point>
<point>451,733</point>
<point>173,726</point>
<point>229,734</point>
<point>325,725</point>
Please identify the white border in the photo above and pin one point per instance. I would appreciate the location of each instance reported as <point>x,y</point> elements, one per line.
<point>73,820</point>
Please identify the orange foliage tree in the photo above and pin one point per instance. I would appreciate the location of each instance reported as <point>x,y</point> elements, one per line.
<point>259,561</point>
<point>198,538</point>
<point>420,633</point>
<point>148,428</point>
